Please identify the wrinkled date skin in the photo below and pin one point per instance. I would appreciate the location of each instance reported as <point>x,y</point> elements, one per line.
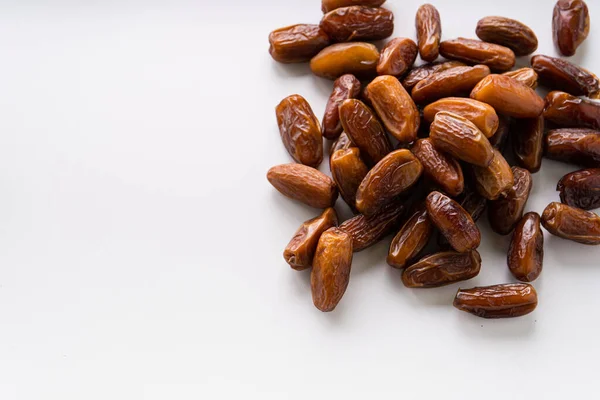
<point>453,222</point>
<point>442,169</point>
<point>346,24</point>
<point>366,231</point>
<point>305,184</point>
<point>474,204</point>
<point>572,223</point>
<point>581,189</point>
<point>460,138</point>
<point>348,171</point>
<point>395,107</point>
<point>392,176</point>
<point>506,212</point>
<point>297,43</point>
<point>330,5</point>
<point>365,131</point>
<point>508,96</point>
<point>331,270</point>
<point>359,59</point>
<point>527,76</point>
<point>498,301</point>
<point>417,74</point>
<point>442,269</point>
<point>471,51</point>
<point>570,25</point>
<point>429,32</point>
<point>397,57</point>
<point>509,33</point>
<point>345,87</point>
<point>559,74</point>
<point>343,142</point>
<point>528,143</point>
<point>526,251</point>
<point>300,130</point>
<point>452,82</point>
<point>482,115</point>
<point>499,140</point>
<point>566,110</point>
<point>411,239</point>
<point>577,146</point>
<point>300,251</point>
<point>494,180</point>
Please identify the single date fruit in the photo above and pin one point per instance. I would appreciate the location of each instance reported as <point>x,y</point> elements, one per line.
<point>429,32</point>
<point>507,32</point>
<point>498,58</point>
<point>303,183</point>
<point>355,58</point>
<point>297,43</point>
<point>498,301</point>
<point>345,87</point>
<point>581,189</point>
<point>346,24</point>
<point>572,223</point>
<point>442,269</point>
<point>570,25</point>
<point>526,251</point>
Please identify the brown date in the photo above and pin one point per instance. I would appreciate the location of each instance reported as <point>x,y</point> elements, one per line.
<point>570,25</point>
<point>528,143</point>
<point>297,43</point>
<point>506,212</point>
<point>508,96</point>
<point>482,115</point>
<point>572,223</point>
<point>411,239</point>
<point>507,32</point>
<point>303,183</point>
<point>348,171</point>
<point>559,74</point>
<point>331,270</point>
<point>494,180</point>
<point>329,5</point>
<point>498,301</point>
<point>473,203</point>
<point>346,24</point>
<point>566,110</point>
<point>442,269</point>
<point>345,87</point>
<point>417,74</point>
<point>359,59</point>
<point>499,140</point>
<point>301,249</point>
<point>397,57</point>
<point>526,251</point>
<point>429,32</point>
<point>452,82</point>
<point>577,146</point>
<point>343,142</point>
<point>442,169</point>
<point>581,189</point>
<point>300,130</point>
<point>471,51</point>
<point>527,76</point>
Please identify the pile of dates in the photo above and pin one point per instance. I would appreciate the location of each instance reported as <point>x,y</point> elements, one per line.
<point>422,152</point>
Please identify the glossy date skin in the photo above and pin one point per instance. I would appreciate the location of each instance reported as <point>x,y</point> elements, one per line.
<point>419,73</point>
<point>507,32</point>
<point>345,87</point>
<point>441,168</point>
<point>366,231</point>
<point>581,189</point>
<point>330,5</point>
<point>526,252</point>
<point>527,76</point>
<point>572,223</point>
<point>528,143</point>
<point>482,115</point>
<point>508,96</point>
<point>348,171</point>
<point>494,180</point>
<point>452,82</point>
<point>352,23</point>
<point>564,109</point>
<point>442,269</point>
<point>558,74</point>
<point>429,32</point>
<point>305,184</point>
<point>357,58</point>
<point>570,25</point>
<point>470,51</point>
<point>498,301</point>
<point>397,57</point>
<point>343,142</point>
<point>577,146</point>
<point>506,212</point>
<point>411,239</point>
<point>297,43</point>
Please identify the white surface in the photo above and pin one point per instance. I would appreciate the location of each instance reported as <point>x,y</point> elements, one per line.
<point>140,242</point>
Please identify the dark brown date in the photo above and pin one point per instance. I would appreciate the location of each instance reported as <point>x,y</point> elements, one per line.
<point>343,142</point>
<point>345,87</point>
<point>499,140</point>
<point>570,25</point>
<point>397,57</point>
<point>442,169</point>
<point>564,109</point>
<point>329,5</point>
<point>305,184</point>
<point>494,180</point>
<point>359,59</point>
<point>348,171</point>
<point>429,32</point>
<point>458,81</point>
<point>526,251</point>
<point>572,223</point>
<point>474,204</point>
<point>411,239</point>
<point>528,143</point>
<point>498,58</point>
<point>297,43</point>
<point>581,189</point>
<point>442,269</point>
<point>558,74</point>
<point>506,212</point>
<point>577,146</point>
<point>508,96</point>
<point>507,32</point>
<point>417,74</point>
<point>346,24</point>
<point>527,76</point>
<point>498,301</point>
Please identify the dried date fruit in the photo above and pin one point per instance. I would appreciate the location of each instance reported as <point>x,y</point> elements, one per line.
<point>527,76</point>
<point>482,115</point>
<point>559,74</point>
<point>397,57</point>
<point>494,180</point>
<point>498,301</point>
<point>301,249</point>
<point>528,143</point>
<point>570,25</point>
<point>506,212</point>
<point>499,140</point>
<point>577,146</point>
<point>581,189</point>
<point>572,223</point>
<point>474,204</point>
<point>411,239</point>
<point>395,107</point>
<point>348,171</point>
<point>566,110</point>
<point>393,175</point>
<point>359,59</point>
<point>345,24</point>
<point>526,251</point>
<point>429,32</point>
<point>297,43</point>
<point>508,96</point>
<point>452,82</point>
<point>498,58</point>
<point>303,183</point>
<point>442,169</point>
<point>331,270</point>
<point>507,32</point>
<point>329,5</point>
<point>345,87</point>
<point>442,269</point>
<point>419,73</point>
<point>343,142</point>
<point>366,231</point>
<point>300,130</point>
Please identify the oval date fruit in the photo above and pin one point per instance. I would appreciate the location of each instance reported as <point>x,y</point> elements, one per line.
<point>411,239</point>
<point>366,231</point>
<point>301,249</point>
<point>348,171</point>
<point>506,212</point>
<point>419,73</point>
<point>498,301</point>
<point>297,43</point>
<point>581,189</point>
<point>566,110</point>
<point>397,57</point>
<point>358,58</point>
<point>345,87</point>
<point>303,183</point>
<point>528,143</point>
<point>482,115</point>
<point>507,32</point>
<point>527,76</point>
<point>494,180</point>
<point>331,270</point>
<point>526,251</point>
<point>452,82</point>
<point>343,142</point>
<point>577,146</point>
<point>572,223</point>
<point>498,58</point>
<point>345,24</point>
<point>442,269</point>
<point>429,32</point>
<point>559,74</point>
<point>300,130</point>
<point>442,169</point>
<point>329,5</point>
<point>508,96</point>
<point>570,25</point>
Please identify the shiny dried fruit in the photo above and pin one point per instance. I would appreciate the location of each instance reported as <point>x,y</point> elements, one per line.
<point>300,130</point>
<point>442,169</point>
<point>366,231</point>
<point>393,175</point>
<point>301,249</point>
<point>442,269</point>
<point>397,57</point>
<point>395,107</point>
<point>348,171</point>
<point>297,43</point>
<point>572,223</point>
<point>498,301</point>
<point>577,146</point>
<point>345,24</point>
<point>345,87</point>
<point>331,269</point>
<point>358,58</point>
<point>411,239</point>
<point>452,82</point>
<point>506,212</point>
<point>429,32</point>
<point>499,140</point>
<point>419,73</point>
<point>566,110</point>
<point>482,115</point>
<point>581,189</point>
<point>365,131</point>
<point>329,5</point>
<point>508,96</point>
<point>303,183</point>
<point>460,138</point>
<point>526,251</point>
<point>507,32</point>
<point>558,74</point>
<point>453,222</point>
<point>528,143</point>
<point>570,25</point>
<point>494,180</point>
<point>473,203</point>
<point>343,142</point>
<point>527,76</point>
<point>471,51</point>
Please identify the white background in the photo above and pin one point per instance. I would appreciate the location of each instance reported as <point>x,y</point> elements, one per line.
<point>141,244</point>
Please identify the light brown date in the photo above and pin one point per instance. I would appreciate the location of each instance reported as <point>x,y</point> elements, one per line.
<point>498,301</point>
<point>498,58</point>
<point>494,180</point>
<point>343,142</point>
<point>577,146</point>
<point>528,143</point>
<point>572,223</point>
<point>566,110</point>
<point>442,169</point>
<point>482,115</point>
<point>303,183</point>
<point>456,81</point>
<point>442,269</point>
<point>581,189</point>
<point>329,5</point>
<point>345,24</point>
<point>429,32</point>
<point>397,57</point>
<point>411,239</point>
<point>570,25</point>
<point>366,231</point>
<point>417,74</point>
<point>509,33</point>
<point>508,96</point>
<point>527,76</point>
<point>345,87</point>
<point>506,212</point>
<point>526,251</point>
<point>297,43</point>
<point>359,59</point>
<point>348,171</point>
<point>559,74</point>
